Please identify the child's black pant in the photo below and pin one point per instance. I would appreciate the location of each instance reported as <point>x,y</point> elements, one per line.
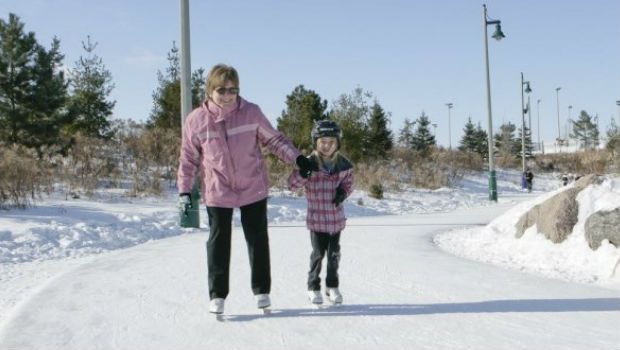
<point>254,222</point>
<point>324,243</point>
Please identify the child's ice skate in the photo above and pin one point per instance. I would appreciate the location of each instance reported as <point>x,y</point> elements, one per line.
<point>315,298</point>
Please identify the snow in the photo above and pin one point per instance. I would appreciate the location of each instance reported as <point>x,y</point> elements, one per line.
<point>420,269</point>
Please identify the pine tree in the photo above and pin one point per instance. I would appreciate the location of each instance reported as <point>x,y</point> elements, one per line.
<point>48,115</point>
<point>166,112</point>
<point>379,137</point>
<point>585,131</point>
<point>468,141</point>
<point>529,147</point>
<point>405,135</point>
<point>423,140</point>
<point>303,108</point>
<point>482,142</point>
<point>17,55</point>
<point>91,85</point>
<point>505,140</point>
<point>351,112</point>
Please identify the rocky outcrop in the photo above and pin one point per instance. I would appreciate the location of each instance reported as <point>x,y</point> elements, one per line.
<point>603,225</point>
<point>556,217</point>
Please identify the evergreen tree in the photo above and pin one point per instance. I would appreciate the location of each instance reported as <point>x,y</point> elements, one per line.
<point>351,112</point>
<point>468,141</point>
<point>33,90</point>
<point>613,138</point>
<point>585,131</point>
<point>482,142</point>
<point>166,112</point>
<point>17,55</point>
<point>303,108</point>
<point>379,137</point>
<point>405,135</point>
<point>529,147</point>
<point>423,140</point>
<point>505,140</point>
<point>48,116</point>
<point>91,85</point>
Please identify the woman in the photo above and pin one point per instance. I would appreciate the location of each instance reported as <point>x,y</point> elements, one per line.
<point>221,140</point>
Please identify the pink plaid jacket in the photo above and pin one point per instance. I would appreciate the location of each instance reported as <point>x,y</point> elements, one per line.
<point>323,215</point>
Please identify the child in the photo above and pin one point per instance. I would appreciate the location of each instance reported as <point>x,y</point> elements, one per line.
<point>326,189</point>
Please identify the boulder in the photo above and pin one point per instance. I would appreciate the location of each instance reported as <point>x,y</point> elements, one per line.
<point>556,217</point>
<point>603,225</point>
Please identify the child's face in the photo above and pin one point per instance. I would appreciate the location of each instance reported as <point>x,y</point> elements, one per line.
<point>326,146</point>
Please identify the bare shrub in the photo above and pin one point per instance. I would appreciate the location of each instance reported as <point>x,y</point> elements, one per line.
<point>21,176</point>
<point>88,161</point>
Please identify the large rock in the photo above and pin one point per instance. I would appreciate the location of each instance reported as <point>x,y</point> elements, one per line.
<point>556,217</point>
<point>603,225</point>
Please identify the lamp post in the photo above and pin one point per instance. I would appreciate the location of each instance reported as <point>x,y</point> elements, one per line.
<point>498,35</point>
<point>618,104</point>
<point>524,109</point>
<point>435,130</point>
<point>557,97</point>
<point>570,121</point>
<point>191,217</point>
<point>450,105</point>
<point>538,125</point>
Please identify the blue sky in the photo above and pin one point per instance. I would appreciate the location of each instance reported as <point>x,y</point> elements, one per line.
<point>412,55</point>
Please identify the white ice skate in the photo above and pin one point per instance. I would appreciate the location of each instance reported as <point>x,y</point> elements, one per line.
<point>334,296</point>
<point>315,297</point>
<point>216,306</point>
<point>263,302</point>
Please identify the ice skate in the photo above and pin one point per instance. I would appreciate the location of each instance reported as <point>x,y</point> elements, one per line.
<point>334,296</point>
<point>263,302</point>
<point>315,298</point>
<point>216,307</point>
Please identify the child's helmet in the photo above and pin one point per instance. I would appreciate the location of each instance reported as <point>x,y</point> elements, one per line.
<point>326,128</point>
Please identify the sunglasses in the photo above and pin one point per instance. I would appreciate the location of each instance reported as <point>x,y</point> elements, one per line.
<point>231,91</point>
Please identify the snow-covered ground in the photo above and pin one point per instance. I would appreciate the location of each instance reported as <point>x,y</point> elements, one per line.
<point>66,283</point>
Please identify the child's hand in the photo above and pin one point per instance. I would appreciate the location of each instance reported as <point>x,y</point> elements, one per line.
<point>306,166</point>
<point>341,195</point>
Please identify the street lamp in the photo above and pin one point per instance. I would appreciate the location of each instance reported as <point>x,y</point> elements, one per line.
<point>450,105</point>
<point>498,35</point>
<point>618,104</point>
<point>538,125</point>
<point>524,109</point>
<point>557,96</point>
<point>570,121</point>
<point>434,130</point>
<point>191,217</point>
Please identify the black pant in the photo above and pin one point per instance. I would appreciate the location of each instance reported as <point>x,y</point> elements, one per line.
<point>254,222</point>
<point>324,242</point>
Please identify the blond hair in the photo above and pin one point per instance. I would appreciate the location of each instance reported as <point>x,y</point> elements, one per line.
<point>219,75</point>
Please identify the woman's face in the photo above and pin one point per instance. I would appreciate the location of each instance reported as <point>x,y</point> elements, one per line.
<point>326,146</point>
<point>225,96</point>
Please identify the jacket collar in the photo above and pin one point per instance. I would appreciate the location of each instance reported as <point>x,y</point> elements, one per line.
<point>218,113</point>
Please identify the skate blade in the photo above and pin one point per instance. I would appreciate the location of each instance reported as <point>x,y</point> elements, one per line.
<point>266,311</point>
<point>220,317</point>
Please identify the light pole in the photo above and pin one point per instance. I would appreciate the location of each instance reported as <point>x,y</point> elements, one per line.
<point>557,97</point>
<point>542,150</point>
<point>498,35</point>
<point>435,130</point>
<point>570,121</point>
<point>191,217</point>
<point>618,104</point>
<point>524,109</point>
<point>450,105</point>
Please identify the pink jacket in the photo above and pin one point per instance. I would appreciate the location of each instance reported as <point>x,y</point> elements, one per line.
<point>323,215</point>
<point>224,145</point>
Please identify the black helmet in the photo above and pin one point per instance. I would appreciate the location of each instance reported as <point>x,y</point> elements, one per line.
<point>326,128</point>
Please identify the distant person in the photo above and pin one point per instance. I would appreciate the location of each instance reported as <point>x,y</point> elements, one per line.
<point>325,189</point>
<point>529,179</point>
<point>222,141</point>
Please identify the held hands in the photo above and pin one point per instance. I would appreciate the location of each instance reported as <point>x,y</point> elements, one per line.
<point>341,195</point>
<point>185,202</point>
<point>306,167</point>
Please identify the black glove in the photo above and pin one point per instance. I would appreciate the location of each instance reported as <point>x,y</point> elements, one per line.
<point>306,166</point>
<point>185,202</point>
<point>341,195</point>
